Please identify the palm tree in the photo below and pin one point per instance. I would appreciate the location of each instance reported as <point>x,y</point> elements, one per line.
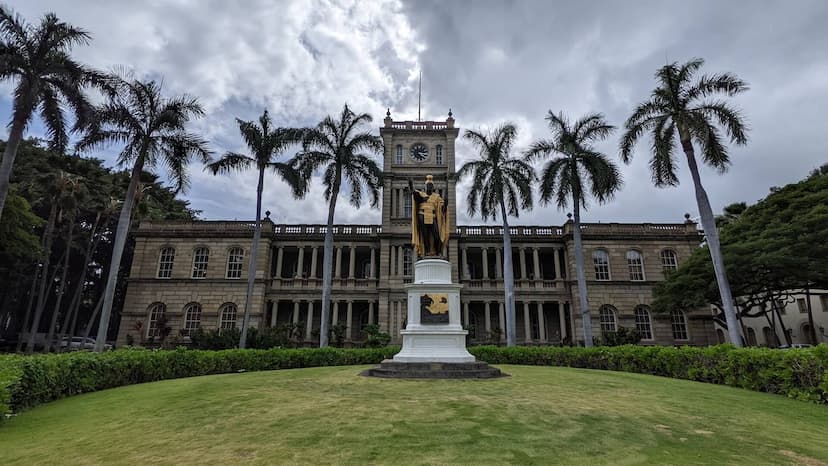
<point>577,170</point>
<point>683,107</point>
<point>500,184</point>
<point>152,130</point>
<point>342,151</point>
<point>46,77</point>
<point>266,144</point>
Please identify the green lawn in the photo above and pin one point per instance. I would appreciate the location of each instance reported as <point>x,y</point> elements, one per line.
<point>331,415</point>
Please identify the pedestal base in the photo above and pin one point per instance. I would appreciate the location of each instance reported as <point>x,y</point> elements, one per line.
<point>434,345</point>
<point>434,370</point>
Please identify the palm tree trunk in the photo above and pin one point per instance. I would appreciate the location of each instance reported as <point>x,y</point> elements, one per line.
<point>56,312</point>
<point>74,305</point>
<point>781,323</point>
<point>121,234</point>
<point>508,278</point>
<point>712,234</point>
<point>7,163</point>
<point>586,317</point>
<point>41,292</point>
<point>327,266</point>
<point>92,318</point>
<point>251,268</point>
<point>25,325</point>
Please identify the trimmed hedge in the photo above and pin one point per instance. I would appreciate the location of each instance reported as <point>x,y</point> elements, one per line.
<point>27,381</point>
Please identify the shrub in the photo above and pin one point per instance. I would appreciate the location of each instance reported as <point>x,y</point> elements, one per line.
<point>374,337</point>
<point>622,336</point>
<point>27,381</point>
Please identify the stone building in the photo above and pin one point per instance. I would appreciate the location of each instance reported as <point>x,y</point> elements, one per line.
<point>195,272</point>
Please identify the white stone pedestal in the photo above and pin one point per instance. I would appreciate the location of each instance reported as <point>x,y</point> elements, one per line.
<point>433,342</point>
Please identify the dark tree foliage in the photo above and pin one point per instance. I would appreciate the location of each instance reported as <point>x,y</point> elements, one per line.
<point>773,248</point>
<point>29,206</point>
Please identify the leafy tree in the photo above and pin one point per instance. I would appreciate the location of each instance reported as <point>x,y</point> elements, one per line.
<point>152,130</point>
<point>683,108</point>
<point>776,247</point>
<point>266,143</point>
<point>576,170</point>
<point>342,150</point>
<point>730,213</point>
<point>45,77</point>
<point>501,184</point>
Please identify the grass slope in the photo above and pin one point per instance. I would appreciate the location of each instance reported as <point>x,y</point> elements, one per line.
<point>330,415</point>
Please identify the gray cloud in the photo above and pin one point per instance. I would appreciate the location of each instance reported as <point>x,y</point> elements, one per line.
<point>488,61</point>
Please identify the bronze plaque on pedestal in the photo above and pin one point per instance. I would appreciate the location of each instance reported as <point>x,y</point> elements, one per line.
<point>434,308</point>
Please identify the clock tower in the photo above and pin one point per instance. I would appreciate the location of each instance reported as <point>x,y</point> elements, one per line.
<point>414,150</point>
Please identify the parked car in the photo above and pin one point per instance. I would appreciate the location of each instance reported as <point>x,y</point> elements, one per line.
<point>795,346</point>
<point>80,343</point>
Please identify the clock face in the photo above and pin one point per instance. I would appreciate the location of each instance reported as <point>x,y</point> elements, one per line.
<point>419,152</point>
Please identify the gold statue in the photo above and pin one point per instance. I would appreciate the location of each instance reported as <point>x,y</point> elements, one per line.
<point>429,227</point>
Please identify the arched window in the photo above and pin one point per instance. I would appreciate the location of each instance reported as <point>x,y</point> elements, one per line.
<point>200,257</point>
<point>669,262</point>
<point>751,337</point>
<point>770,339</point>
<point>399,153</point>
<point>406,203</point>
<point>165,262</point>
<point>192,319</point>
<point>156,313</point>
<point>679,324</point>
<point>600,259</point>
<point>636,265</point>
<point>607,318</point>
<point>235,258</point>
<point>438,154</point>
<point>643,325</point>
<point>227,316</point>
<point>720,335</point>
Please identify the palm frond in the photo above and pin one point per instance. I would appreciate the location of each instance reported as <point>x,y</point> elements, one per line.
<point>230,162</point>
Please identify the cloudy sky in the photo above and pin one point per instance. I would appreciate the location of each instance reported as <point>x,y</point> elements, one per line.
<point>487,61</point>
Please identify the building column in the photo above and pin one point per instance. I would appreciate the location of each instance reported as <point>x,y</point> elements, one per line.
<point>279,261</point>
<point>466,313</point>
<point>527,322</point>
<point>501,316</point>
<point>400,267</point>
<point>371,313</point>
<point>300,263</point>
<point>562,319</point>
<point>314,254</point>
<point>349,315</point>
<point>541,322</point>
<point>522,253</point>
<point>338,270</point>
<point>352,261</point>
<point>498,264</point>
<point>274,314</point>
<point>373,262</point>
<point>558,264</point>
<point>464,273</point>
<point>536,260</point>
<point>309,323</point>
<point>484,252</point>
<point>334,313</point>
<point>488,317</point>
<point>295,312</point>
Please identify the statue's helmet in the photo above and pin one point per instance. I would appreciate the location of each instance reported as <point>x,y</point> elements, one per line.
<point>429,180</point>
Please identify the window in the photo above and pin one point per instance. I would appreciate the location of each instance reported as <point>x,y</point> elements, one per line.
<point>679,322</point>
<point>669,263</point>
<point>235,258</point>
<point>642,322</point>
<point>407,261</point>
<point>192,319</point>
<point>823,300</point>
<point>607,318</point>
<point>770,338</point>
<point>781,306</point>
<point>399,153</point>
<point>636,265</point>
<point>165,262</point>
<point>200,257</point>
<point>802,305</point>
<point>751,337</point>
<point>600,259</point>
<point>406,204</point>
<point>227,316</point>
<point>438,154</point>
<point>156,314</point>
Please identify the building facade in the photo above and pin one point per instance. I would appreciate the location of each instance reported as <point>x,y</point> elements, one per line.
<point>195,273</point>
